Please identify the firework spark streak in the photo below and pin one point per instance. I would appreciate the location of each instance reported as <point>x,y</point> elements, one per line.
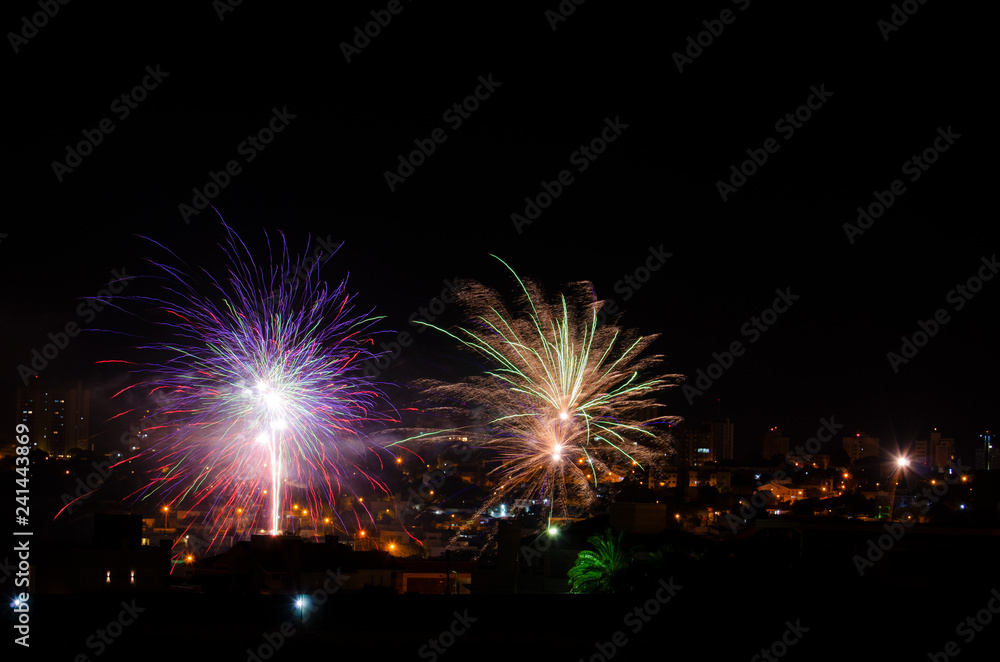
<point>260,391</point>
<point>567,405</point>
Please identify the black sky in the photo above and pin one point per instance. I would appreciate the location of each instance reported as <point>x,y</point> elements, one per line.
<point>654,186</point>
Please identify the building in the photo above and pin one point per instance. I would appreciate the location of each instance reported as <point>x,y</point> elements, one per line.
<point>143,434</point>
<point>774,444</point>
<point>117,561</point>
<point>693,446</point>
<point>664,479</point>
<point>933,453</point>
<point>710,442</point>
<point>861,446</point>
<point>289,565</point>
<point>818,461</point>
<point>638,517</point>
<point>722,438</point>
<point>782,492</point>
<point>988,453</point>
<point>720,479</point>
<point>58,419</point>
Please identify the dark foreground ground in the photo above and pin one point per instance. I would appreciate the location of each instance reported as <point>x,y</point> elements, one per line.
<point>726,616</point>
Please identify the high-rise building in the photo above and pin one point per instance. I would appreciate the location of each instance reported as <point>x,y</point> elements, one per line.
<point>722,438</point>
<point>988,453</point>
<point>861,445</point>
<point>693,446</point>
<point>710,442</point>
<point>935,452</point>
<point>774,444</point>
<point>58,419</point>
<point>143,433</point>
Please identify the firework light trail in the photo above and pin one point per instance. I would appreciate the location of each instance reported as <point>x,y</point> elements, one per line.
<point>259,392</point>
<point>567,400</point>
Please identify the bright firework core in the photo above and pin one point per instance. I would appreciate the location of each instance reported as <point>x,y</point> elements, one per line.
<point>559,385</point>
<point>273,421</point>
<point>257,376</point>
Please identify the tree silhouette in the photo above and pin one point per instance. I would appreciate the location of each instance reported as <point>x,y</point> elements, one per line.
<point>604,570</point>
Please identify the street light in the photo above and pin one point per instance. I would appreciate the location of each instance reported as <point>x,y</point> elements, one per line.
<point>902,462</point>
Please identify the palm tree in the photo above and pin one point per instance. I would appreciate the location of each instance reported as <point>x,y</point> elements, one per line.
<point>605,570</point>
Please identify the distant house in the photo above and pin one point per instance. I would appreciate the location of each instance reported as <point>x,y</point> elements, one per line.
<point>116,561</point>
<point>290,565</point>
<point>783,492</point>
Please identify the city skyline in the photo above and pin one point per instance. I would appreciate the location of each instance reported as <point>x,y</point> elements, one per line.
<point>791,199</point>
<point>738,446</point>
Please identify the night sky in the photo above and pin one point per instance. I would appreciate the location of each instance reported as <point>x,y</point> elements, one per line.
<point>876,103</point>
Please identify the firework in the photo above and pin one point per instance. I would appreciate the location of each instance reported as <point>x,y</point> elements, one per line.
<point>259,392</point>
<point>569,405</point>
